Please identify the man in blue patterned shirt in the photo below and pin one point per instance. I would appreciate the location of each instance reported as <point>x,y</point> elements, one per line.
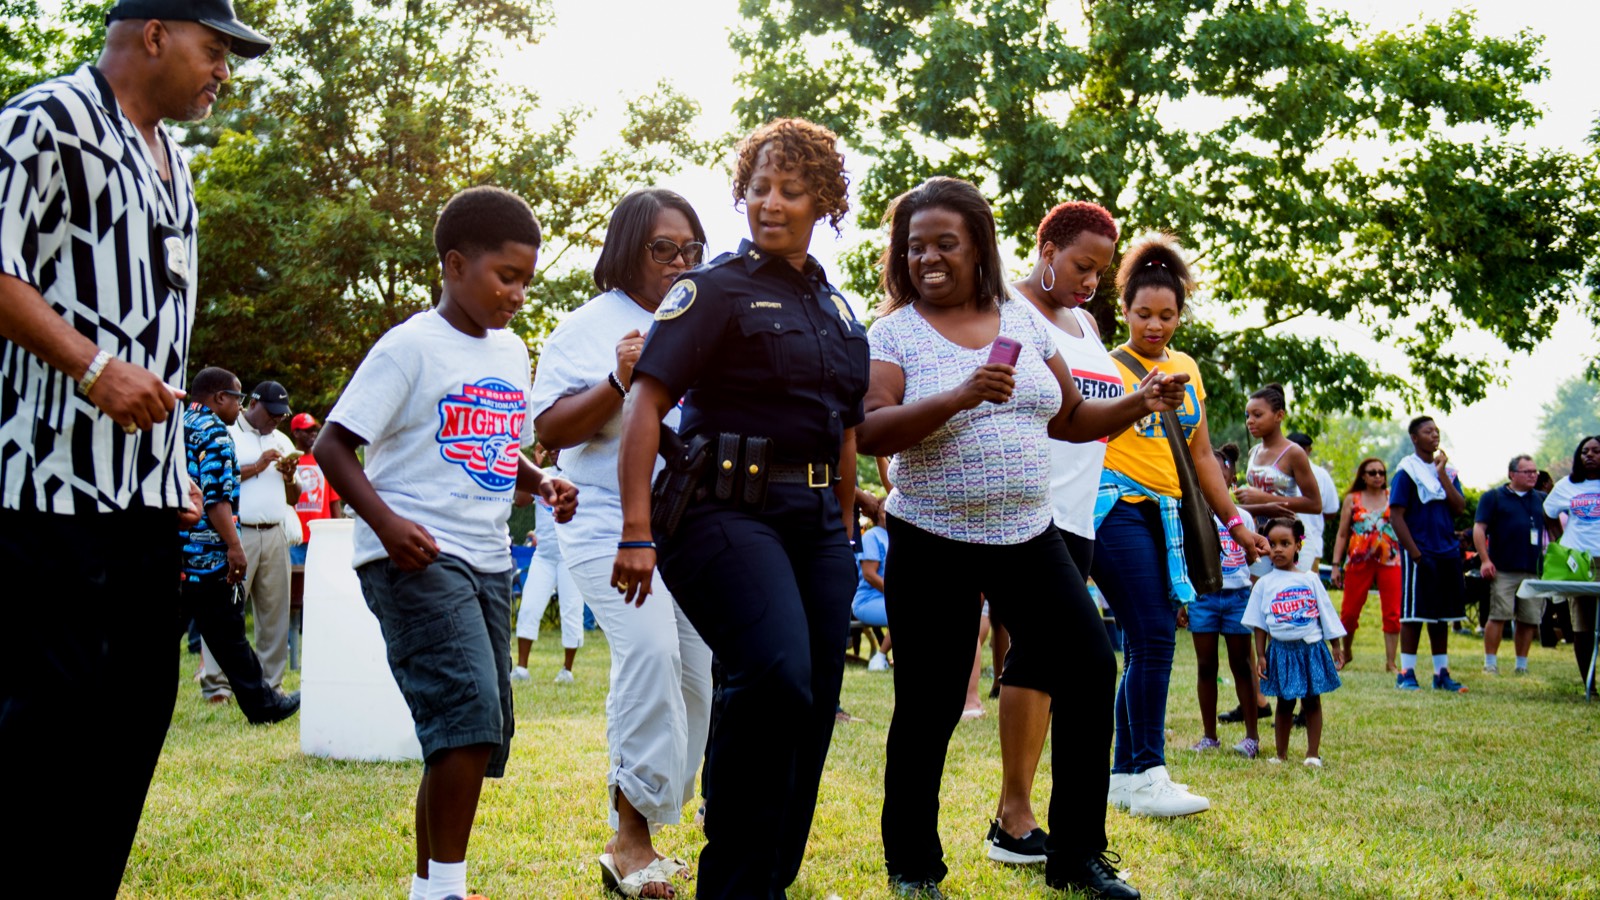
<point>213,558</point>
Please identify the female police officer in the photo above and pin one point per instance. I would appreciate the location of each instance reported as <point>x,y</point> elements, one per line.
<point>772,368</point>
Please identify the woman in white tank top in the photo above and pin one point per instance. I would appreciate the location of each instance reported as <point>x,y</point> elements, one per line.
<point>1076,242</point>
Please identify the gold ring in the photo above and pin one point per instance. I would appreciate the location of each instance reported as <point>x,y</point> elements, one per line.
<point>130,428</point>
<point>622,585</point>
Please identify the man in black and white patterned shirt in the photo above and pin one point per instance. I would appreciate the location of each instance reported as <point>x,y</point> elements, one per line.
<point>97,297</point>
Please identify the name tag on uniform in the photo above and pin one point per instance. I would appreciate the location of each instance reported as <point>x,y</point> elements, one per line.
<point>765,304</point>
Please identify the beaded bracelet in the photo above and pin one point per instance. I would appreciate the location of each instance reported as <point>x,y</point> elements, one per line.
<point>617,383</point>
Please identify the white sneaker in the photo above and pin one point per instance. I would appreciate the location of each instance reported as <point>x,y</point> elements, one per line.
<point>564,677</point>
<point>1314,762</point>
<point>878,663</point>
<point>1152,793</point>
<point>520,673</point>
<point>1117,795</point>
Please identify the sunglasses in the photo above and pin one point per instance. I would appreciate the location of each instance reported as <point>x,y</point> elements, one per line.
<point>1378,472</point>
<point>664,251</point>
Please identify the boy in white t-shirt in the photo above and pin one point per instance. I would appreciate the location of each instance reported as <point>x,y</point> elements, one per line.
<point>441,400</point>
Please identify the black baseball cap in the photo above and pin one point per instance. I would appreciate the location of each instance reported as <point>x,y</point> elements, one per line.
<point>273,396</point>
<point>215,14</point>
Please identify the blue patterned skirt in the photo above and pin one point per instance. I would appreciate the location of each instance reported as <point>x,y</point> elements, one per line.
<point>1297,669</point>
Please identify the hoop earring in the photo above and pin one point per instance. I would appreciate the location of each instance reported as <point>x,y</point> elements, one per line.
<point>1052,285</point>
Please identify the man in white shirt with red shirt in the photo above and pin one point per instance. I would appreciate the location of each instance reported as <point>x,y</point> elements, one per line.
<point>264,489</point>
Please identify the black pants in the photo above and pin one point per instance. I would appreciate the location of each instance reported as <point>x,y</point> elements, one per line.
<point>770,594</point>
<point>221,622</point>
<point>88,674</point>
<point>934,591</point>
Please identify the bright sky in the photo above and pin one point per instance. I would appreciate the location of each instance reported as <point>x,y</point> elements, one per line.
<point>601,53</point>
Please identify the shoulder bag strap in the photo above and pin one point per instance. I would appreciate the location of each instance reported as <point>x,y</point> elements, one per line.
<point>1169,423</point>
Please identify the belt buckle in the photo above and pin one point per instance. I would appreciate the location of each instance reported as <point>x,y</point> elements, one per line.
<point>811,476</point>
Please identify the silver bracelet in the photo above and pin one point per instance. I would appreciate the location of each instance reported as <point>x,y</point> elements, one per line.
<point>96,366</point>
<point>616,383</point>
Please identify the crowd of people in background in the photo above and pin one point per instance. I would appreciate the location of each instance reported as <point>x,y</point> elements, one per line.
<point>703,418</point>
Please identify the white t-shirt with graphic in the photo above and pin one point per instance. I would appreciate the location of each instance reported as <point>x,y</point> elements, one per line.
<point>1292,606</point>
<point>1581,503</point>
<point>1075,468</point>
<point>445,416</point>
<point>578,355</point>
<point>1235,565</point>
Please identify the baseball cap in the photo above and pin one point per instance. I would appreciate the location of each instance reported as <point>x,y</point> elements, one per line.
<point>214,14</point>
<point>273,396</point>
<point>302,422</point>
<point>1301,438</point>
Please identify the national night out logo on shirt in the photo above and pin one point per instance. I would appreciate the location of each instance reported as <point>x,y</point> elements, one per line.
<point>1586,507</point>
<point>1295,606</point>
<point>479,430</point>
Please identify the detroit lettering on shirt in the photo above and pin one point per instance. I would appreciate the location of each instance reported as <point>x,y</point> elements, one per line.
<point>445,416</point>
<point>1292,606</point>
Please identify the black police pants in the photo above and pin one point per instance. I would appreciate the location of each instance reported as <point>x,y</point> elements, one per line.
<point>770,594</point>
<point>934,589</point>
<point>220,619</point>
<point>88,674</point>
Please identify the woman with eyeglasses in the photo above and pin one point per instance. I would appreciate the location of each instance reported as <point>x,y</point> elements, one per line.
<point>771,367</point>
<point>1367,552</point>
<point>658,708</point>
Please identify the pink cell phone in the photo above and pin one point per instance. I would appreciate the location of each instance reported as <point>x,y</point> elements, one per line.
<point>1005,351</point>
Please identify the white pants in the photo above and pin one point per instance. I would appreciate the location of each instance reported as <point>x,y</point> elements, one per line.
<point>658,713</point>
<point>547,574</point>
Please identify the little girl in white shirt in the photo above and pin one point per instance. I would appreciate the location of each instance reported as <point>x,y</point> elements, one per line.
<point>1293,622</point>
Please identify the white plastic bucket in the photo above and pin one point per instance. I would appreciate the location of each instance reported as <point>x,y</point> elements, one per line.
<point>350,706</point>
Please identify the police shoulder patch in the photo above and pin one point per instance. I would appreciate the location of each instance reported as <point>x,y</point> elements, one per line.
<point>677,301</point>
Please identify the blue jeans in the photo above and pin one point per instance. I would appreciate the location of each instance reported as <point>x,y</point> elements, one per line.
<point>1130,567</point>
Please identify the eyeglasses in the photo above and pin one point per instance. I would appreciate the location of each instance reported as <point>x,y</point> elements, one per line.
<point>237,395</point>
<point>665,251</point>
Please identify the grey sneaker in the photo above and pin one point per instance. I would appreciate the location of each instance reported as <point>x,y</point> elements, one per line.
<point>1248,748</point>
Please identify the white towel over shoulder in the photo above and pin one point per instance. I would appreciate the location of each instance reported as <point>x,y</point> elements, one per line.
<point>1425,477</point>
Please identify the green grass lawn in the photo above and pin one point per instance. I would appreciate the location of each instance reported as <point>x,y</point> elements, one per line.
<point>1495,793</point>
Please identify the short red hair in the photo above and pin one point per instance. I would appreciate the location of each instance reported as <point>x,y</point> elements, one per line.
<point>1062,225</point>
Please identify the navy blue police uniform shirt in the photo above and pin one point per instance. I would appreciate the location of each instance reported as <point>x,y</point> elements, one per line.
<point>757,347</point>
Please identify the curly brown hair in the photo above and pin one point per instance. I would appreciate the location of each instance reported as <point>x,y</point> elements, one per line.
<point>802,145</point>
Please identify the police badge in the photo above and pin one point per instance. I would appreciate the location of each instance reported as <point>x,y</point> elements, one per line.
<point>677,301</point>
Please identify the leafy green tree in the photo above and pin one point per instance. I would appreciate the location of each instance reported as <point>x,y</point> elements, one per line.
<point>1572,415</point>
<point>1311,165</point>
<point>35,46</point>
<point>326,172</point>
<point>1340,442</point>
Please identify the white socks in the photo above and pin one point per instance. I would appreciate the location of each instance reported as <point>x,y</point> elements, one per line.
<point>1492,660</point>
<point>1522,663</point>
<point>419,888</point>
<point>446,879</point>
<point>1408,662</point>
<point>1440,661</point>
